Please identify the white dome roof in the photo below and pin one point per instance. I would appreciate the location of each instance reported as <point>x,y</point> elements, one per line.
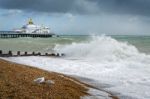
<point>32,28</point>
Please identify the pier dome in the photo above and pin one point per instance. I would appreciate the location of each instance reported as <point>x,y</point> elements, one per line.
<point>31,28</point>
<point>30,21</point>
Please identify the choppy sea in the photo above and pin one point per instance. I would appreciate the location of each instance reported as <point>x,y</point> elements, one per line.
<point>121,62</point>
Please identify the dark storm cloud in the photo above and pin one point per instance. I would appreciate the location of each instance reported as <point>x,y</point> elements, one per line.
<point>132,7</point>
<point>38,5</point>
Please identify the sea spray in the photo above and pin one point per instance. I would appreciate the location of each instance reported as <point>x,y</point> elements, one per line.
<point>99,48</point>
<point>104,60</point>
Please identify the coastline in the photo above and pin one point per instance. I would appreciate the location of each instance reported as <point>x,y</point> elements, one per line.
<point>17,81</point>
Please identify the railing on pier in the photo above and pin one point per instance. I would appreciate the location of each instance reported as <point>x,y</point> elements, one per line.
<point>11,34</point>
<point>10,54</point>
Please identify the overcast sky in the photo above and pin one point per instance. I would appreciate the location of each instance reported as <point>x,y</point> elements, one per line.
<point>114,17</point>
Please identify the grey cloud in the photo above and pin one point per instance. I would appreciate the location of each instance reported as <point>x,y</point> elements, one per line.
<point>49,6</point>
<point>60,6</point>
<point>131,7</point>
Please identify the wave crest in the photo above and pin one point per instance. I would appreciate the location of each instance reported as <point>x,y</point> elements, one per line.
<point>100,48</point>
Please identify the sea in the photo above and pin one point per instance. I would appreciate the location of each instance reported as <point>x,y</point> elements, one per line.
<point>120,62</point>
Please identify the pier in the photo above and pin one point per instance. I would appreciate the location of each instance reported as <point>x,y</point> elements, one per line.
<point>11,34</point>
<point>19,54</point>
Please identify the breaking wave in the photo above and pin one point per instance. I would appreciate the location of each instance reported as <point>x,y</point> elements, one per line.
<point>101,48</point>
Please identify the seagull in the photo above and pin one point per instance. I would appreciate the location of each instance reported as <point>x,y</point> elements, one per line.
<point>50,82</point>
<point>39,80</point>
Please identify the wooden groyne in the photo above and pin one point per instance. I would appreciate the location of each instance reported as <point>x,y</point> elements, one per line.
<point>19,53</point>
<point>11,34</point>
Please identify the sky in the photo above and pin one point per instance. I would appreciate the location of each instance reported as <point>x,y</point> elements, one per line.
<point>111,17</point>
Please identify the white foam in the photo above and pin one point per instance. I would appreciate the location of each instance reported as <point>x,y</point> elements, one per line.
<point>103,59</point>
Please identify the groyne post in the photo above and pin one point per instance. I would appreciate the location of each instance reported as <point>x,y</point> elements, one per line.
<point>53,54</point>
<point>39,53</point>
<point>18,53</point>
<point>46,54</point>
<point>25,53</point>
<point>1,52</point>
<point>10,53</point>
<point>62,54</point>
<point>33,53</point>
<point>57,54</point>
